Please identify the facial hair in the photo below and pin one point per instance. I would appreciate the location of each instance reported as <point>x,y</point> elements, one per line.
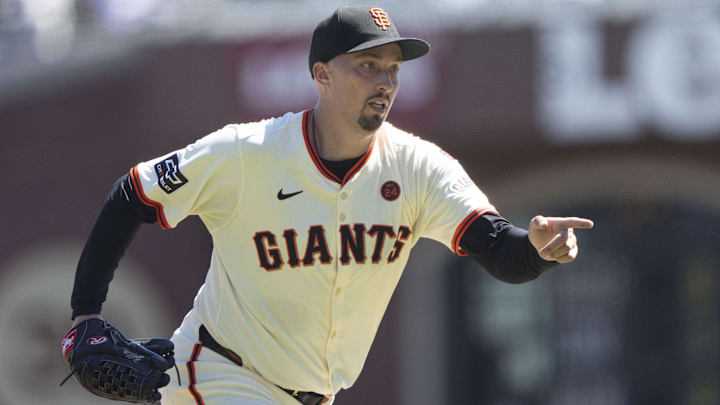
<point>372,122</point>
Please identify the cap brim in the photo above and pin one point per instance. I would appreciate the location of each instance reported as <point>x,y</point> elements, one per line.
<point>412,48</point>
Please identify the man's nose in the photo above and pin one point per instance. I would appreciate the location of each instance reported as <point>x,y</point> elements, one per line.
<point>386,82</point>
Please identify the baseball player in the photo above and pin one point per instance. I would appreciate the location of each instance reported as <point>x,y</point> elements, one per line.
<point>312,216</point>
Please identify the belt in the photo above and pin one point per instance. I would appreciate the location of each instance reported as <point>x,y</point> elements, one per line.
<point>304,397</point>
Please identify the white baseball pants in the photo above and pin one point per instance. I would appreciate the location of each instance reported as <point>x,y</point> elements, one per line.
<point>207,378</point>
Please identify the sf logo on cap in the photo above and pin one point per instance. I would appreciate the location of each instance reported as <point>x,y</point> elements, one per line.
<point>382,19</point>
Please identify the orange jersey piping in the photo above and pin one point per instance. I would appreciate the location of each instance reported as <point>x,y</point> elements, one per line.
<point>137,185</point>
<point>191,374</point>
<point>463,227</point>
<point>318,162</point>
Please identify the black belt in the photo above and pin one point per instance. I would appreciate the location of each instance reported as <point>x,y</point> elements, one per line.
<point>304,397</point>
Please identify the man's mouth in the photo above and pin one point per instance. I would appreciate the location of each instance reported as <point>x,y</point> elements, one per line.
<point>380,106</point>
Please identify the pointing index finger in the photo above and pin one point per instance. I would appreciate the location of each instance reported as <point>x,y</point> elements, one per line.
<point>570,222</point>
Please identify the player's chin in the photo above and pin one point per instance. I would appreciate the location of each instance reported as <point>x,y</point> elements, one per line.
<point>371,122</point>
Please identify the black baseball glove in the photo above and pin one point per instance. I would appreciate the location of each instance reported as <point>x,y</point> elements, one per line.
<point>111,366</point>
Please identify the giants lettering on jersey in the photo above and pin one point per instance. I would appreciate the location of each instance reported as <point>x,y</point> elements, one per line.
<point>357,244</point>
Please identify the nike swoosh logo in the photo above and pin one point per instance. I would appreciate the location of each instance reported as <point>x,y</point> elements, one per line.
<point>282,196</point>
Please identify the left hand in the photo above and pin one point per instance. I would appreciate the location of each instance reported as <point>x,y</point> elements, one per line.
<point>108,365</point>
<point>554,238</point>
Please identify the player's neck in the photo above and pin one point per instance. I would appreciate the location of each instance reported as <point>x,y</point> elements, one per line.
<point>335,140</point>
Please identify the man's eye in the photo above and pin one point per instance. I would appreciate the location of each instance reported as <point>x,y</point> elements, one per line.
<point>394,68</point>
<point>368,65</point>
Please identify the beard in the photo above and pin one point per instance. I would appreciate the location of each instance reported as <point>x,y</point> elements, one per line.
<point>373,122</point>
<point>370,123</point>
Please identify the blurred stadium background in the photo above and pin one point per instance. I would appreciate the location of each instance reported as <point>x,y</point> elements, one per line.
<point>604,109</point>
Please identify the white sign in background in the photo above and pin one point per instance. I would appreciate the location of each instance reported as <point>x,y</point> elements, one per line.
<point>671,82</point>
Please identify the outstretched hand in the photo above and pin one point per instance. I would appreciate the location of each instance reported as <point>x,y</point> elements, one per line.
<point>554,237</point>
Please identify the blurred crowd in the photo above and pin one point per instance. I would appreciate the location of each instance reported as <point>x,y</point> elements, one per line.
<point>49,31</point>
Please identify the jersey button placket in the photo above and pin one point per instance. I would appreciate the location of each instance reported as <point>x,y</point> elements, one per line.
<point>331,352</point>
<point>337,298</point>
<point>342,205</point>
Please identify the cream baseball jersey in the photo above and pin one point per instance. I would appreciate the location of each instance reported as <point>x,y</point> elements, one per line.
<point>304,263</point>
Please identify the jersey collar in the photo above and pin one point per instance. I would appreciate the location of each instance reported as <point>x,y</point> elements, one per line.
<point>318,162</point>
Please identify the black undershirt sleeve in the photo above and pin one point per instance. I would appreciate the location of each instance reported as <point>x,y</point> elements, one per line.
<point>119,220</point>
<point>503,249</point>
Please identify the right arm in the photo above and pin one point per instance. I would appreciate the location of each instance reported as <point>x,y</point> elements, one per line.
<point>157,191</point>
<point>503,249</point>
<point>119,220</point>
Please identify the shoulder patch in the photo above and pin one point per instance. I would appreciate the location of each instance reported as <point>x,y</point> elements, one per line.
<point>168,174</point>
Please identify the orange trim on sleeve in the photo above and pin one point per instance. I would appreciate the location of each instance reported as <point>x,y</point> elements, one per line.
<point>463,227</point>
<point>137,185</point>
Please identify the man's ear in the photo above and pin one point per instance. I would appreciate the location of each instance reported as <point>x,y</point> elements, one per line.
<point>320,71</point>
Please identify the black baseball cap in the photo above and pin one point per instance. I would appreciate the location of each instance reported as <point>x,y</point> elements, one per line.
<point>356,28</point>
